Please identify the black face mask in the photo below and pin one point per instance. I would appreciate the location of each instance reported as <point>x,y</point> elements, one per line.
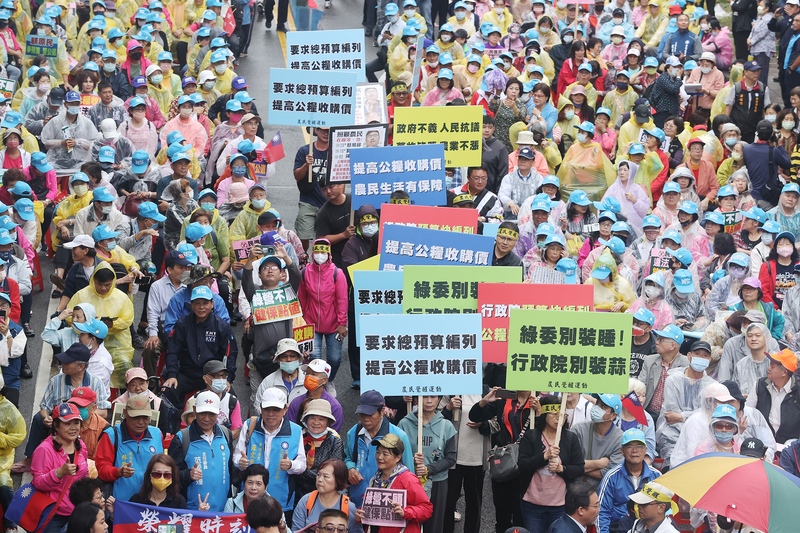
<point>136,56</point>
<point>3,24</point>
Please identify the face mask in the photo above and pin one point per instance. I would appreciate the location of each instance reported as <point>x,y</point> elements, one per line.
<point>235,117</point>
<point>723,437</point>
<point>760,10</point>
<point>616,39</point>
<point>73,110</point>
<point>569,115</point>
<point>160,483</point>
<point>618,22</point>
<point>785,251</point>
<point>699,364</point>
<point>138,115</point>
<point>737,156</point>
<point>109,67</point>
<point>538,10</point>
<point>788,125</point>
<point>80,190</point>
<point>409,12</point>
<point>581,137</point>
<point>567,39</point>
<point>311,382</point>
<point>186,113</point>
<point>290,366</point>
<point>3,24</point>
<point>239,171</point>
<point>433,64</point>
<point>770,118</point>
<point>41,32</point>
<point>209,85</point>
<point>44,87</point>
<point>499,10</point>
<point>472,68</point>
<point>705,70</point>
<point>219,385</point>
<point>704,26</point>
<point>12,143</point>
<point>157,78</point>
<point>84,411</point>
<point>208,206</point>
<point>258,204</point>
<point>652,292</point>
<point>737,272</point>
<point>5,256</point>
<point>506,65</point>
<point>106,209</point>
<point>651,70</point>
<point>220,69</point>
<point>445,38</point>
<point>680,295</point>
<point>596,413</point>
<point>369,230</point>
<point>561,5</point>
<point>320,258</point>
<point>767,238</point>
<point>470,8</point>
<point>111,245</point>
<point>622,86</point>
<point>674,71</point>
<point>136,56</point>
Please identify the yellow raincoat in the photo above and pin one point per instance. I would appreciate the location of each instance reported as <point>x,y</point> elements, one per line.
<point>398,61</point>
<point>181,16</point>
<point>13,430</point>
<point>619,104</point>
<point>245,225</point>
<point>617,289</point>
<point>68,208</point>
<point>591,92</point>
<point>718,107</point>
<point>649,168</point>
<point>24,24</point>
<point>630,132</point>
<point>194,164</point>
<point>567,126</point>
<point>162,95</point>
<point>29,142</point>
<point>586,167</point>
<point>224,81</point>
<point>491,16</point>
<point>118,306</point>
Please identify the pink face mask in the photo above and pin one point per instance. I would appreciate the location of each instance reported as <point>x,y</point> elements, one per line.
<point>12,143</point>
<point>235,117</point>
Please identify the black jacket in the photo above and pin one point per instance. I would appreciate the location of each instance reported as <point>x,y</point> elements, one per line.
<point>790,411</point>
<point>495,160</point>
<point>564,524</point>
<point>744,13</point>
<point>497,409</point>
<point>119,83</point>
<point>192,344</point>
<point>531,457</point>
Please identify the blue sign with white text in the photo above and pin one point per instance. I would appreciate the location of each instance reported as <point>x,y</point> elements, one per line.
<point>377,292</point>
<point>408,245</point>
<point>418,170</point>
<point>306,98</point>
<point>329,50</point>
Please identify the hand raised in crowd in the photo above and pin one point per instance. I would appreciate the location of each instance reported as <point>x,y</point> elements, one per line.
<point>67,469</point>
<point>244,462</point>
<point>285,463</point>
<point>152,343</point>
<point>202,505</point>
<point>127,470</point>
<point>490,397</point>
<point>454,403</point>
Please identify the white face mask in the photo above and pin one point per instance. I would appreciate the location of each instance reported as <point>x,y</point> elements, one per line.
<point>44,87</point>
<point>369,230</point>
<point>409,12</point>
<point>544,31</point>
<point>186,113</point>
<point>705,70</point>
<point>445,38</point>
<point>472,68</point>
<point>209,85</point>
<point>460,15</point>
<point>767,238</point>
<point>433,64</point>
<point>618,22</point>
<point>393,18</point>
<point>652,292</point>
<point>788,124</point>
<point>220,69</point>
<point>499,10</point>
<point>704,26</point>
<point>581,137</point>
<point>320,258</point>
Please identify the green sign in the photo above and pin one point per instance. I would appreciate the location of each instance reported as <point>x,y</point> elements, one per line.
<point>569,351</point>
<point>448,289</point>
<point>41,45</point>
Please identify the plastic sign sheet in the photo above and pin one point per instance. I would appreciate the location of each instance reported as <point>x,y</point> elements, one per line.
<point>569,351</point>
<point>306,98</point>
<point>377,292</point>
<point>274,305</point>
<point>496,300</point>
<point>420,216</point>
<point>448,290</point>
<point>403,355</point>
<point>405,245</point>
<point>459,129</point>
<point>418,170</point>
<point>329,50</point>
<point>379,507</point>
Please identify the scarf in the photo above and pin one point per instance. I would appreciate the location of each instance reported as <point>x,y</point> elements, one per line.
<point>311,443</point>
<point>380,483</point>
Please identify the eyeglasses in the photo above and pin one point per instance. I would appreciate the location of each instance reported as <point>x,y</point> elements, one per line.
<point>270,267</point>
<point>334,529</point>
<point>159,475</point>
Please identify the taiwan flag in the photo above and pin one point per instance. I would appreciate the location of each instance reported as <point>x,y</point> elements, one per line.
<point>273,152</point>
<point>631,403</point>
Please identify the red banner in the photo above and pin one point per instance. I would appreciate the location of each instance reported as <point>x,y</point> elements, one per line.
<point>421,216</point>
<point>495,300</point>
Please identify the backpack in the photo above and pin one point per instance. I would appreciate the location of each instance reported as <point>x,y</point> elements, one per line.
<point>344,502</point>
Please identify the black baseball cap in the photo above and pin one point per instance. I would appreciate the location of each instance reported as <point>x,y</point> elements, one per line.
<point>753,448</point>
<point>76,352</point>
<point>764,130</point>
<point>57,96</point>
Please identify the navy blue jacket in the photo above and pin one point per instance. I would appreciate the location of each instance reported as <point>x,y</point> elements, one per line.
<point>192,344</point>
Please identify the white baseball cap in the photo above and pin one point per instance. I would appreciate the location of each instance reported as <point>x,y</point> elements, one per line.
<point>80,240</point>
<point>207,402</point>
<point>317,365</point>
<point>273,397</point>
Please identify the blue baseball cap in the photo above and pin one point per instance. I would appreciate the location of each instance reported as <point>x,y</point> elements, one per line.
<point>688,207</point>
<point>740,259</point>
<point>683,281</point>
<point>602,110</point>
<point>106,154</point>
<point>791,187</point>
<point>672,332</point>
<point>177,152</point>
<point>137,101</point>
<point>671,186</point>
<point>620,226</point>
<point>12,119</point>
<point>139,161</point>
<point>196,231</point>
<point>657,278</point>
<point>645,315</point>
<point>612,401</point>
<point>245,146</point>
<point>633,435</point>
<point>725,412</point>
<point>150,210</point>
<point>184,99</point>
<point>607,215</point>
<point>109,54</point>
<point>445,74</point>
<point>207,192</point>
<point>727,190</point>
<point>114,33</point>
<point>542,202</point>
<point>651,61</point>
<point>165,56</point>
<point>5,237</point>
<point>233,106</point>
<point>40,162</point>
<point>551,179</point>
<point>636,148</point>
<point>755,213</point>
<point>569,268</point>
<point>586,126</point>
<point>681,254</point>
<point>7,224</point>
<point>202,292</point>
<point>770,226</point>
<point>391,9</point>
<point>608,204</point>
<point>713,216</point>
<point>614,244</point>
<point>189,251</point>
<point>79,176</point>
<point>103,232</point>
<point>601,272</point>
<point>239,83</point>
<point>244,97</point>
<point>94,327</point>
<point>651,221</point>
<point>218,42</point>
<point>673,236</point>
<point>218,57</point>
<point>101,194</point>
<point>174,137</point>
<point>544,229</point>
<point>579,197</point>
<point>21,188</point>
<point>91,66</point>
<point>656,132</point>
<point>24,208</point>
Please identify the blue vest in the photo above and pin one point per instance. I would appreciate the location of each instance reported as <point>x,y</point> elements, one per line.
<point>286,444</point>
<point>214,459</point>
<point>129,450</point>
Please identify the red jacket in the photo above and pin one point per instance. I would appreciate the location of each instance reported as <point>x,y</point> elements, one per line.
<point>323,296</point>
<point>10,287</point>
<point>418,507</point>
<point>658,183</point>
<point>766,275</point>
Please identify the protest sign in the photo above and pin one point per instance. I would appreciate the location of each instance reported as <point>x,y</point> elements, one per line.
<point>659,260</point>
<point>329,50</point>
<point>403,355</point>
<point>304,337</point>
<point>448,290</point>
<point>377,292</point>
<point>87,101</point>
<point>132,517</point>
<point>41,45</point>
<point>370,263</point>
<point>541,275</point>
<point>7,87</point>
<point>405,245</point>
<point>418,170</point>
<point>440,218</point>
<point>274,305</point>
<point>457,128</point>
<point>415,72</point>
<point>378,507</point>
<point>305,98</point>
<point>568,351</point>
<point>345,138</point>
<point>733,221</point>
<point>241,249</point>
<point>496,300</point>
<point>371,103</point>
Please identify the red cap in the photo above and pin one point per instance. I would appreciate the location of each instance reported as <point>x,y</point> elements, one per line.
<point>675,10</point>
<point>66,412</point>
<point>83,396</point>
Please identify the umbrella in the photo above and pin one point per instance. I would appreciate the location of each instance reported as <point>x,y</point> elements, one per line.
<point>746,489</point>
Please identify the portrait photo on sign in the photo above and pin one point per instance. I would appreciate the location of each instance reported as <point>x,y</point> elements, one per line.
<point>371,104</point>
<point>345,138</point>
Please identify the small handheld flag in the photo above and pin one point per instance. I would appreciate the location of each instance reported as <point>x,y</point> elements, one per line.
<point>631,403</point>
<point>273,152</point>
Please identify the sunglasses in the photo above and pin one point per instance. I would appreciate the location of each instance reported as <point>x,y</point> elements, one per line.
<point>159,475</point>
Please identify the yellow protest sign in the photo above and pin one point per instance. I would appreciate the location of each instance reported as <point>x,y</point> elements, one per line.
<point>370,263</point>
<point>458,128</point>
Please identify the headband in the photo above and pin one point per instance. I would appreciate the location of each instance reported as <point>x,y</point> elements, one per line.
<point>369,217</point>
<point>399,87</point>
<point>322,248</point>
<point>464,197</point>
<point>402,201</point>
<point>551,408</point>
<point>508,232</point>
<point>659,497</point>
